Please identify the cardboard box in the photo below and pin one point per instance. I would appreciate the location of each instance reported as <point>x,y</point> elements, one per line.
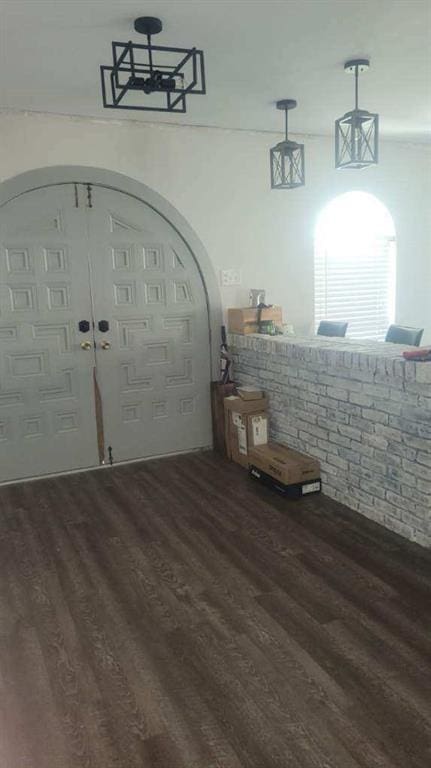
<point>258,429</point>
<point>236,403</point>
<point>246,320</point>
<point>246,431</point>
<point>246,426</point>
<point>218,393</point>
<point>249,393</point>
<point>293,491</point>
<point>284,464</point>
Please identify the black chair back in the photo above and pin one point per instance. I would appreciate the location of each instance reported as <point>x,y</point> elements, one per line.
<point>401,334</point>
<point>330,328</point>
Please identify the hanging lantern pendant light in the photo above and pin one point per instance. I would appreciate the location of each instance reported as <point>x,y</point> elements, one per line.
<point>287,157</point>
<point>357,132</point>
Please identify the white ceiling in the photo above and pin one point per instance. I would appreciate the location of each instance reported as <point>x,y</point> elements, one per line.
<point>256,51</point>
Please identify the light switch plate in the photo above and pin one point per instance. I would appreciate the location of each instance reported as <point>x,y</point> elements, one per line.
<point>230,277</point>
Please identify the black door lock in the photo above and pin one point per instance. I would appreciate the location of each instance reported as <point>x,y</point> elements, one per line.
<point>84,326</point>
<point>103,326</point>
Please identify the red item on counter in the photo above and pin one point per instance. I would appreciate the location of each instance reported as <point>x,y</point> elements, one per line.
<point>421,353</point>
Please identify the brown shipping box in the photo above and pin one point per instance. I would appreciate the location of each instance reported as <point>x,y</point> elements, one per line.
<point>250,393</point>
<point>244,430</point>
<point>245,422</point>
<point>284,464</point>
<point>246,320</point>
<point>218,393</point>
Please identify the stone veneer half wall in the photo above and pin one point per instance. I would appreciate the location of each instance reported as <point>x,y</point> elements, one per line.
<point>361,409</point>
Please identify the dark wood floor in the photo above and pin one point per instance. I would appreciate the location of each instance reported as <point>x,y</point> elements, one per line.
<point>173,614</point>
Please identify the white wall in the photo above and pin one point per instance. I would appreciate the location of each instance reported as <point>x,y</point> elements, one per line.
<point>219,180</point>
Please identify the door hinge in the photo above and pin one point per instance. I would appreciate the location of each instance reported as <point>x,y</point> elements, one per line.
<point>111,458</point>
<point>76,197</point>
<point>89,196</point>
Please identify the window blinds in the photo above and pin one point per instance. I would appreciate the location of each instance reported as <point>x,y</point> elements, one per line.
<point>355,283</point>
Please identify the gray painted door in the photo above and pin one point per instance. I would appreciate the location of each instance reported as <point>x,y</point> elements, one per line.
<point>154,373</point>
<point>117,261</point>
<point>47,418</point>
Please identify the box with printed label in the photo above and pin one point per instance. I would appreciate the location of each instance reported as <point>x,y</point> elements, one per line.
<point>246,427</point>
<point>245,431</point>
<point>236,405</point>
<point>284,464</point>
<point>291,491</point>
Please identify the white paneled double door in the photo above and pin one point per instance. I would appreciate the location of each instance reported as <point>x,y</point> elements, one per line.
<point>104,336</point>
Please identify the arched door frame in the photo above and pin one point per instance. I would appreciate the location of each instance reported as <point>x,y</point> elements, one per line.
<point>77,174</point>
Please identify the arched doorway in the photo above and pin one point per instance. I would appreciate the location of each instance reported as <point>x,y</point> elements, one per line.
<point>355,265</point>
<point>105,326</point>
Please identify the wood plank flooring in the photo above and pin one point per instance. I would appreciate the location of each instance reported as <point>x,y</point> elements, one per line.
<point>173,614</point>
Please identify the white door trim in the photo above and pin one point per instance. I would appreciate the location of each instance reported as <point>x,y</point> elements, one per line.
<point>77,174</point>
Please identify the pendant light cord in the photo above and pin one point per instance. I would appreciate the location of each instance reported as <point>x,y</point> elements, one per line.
<point>150,54</point>
<point>285,121</point>
<point>356,86</point>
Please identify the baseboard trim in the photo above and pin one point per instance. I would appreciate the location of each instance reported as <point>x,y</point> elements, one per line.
<point>103,466</point>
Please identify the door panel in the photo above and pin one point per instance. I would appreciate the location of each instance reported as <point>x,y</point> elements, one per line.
<point>154,374</point>
<point>122,263</point>
<point>47,421</point>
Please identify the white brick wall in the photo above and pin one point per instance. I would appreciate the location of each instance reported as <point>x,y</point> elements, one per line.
<point>362,410</point>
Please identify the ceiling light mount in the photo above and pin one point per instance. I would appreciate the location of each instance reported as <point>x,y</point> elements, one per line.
<point>151,77</point>
<point>148,25</point>
<point>287,157</point>
<point>286,104</point>
<point>353,66</point>
<point>357,132</point>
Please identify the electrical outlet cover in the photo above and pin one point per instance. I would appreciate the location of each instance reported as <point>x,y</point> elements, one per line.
<point>230,277</point>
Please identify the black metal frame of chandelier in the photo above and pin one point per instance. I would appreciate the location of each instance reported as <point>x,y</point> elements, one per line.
<point>151,26</point>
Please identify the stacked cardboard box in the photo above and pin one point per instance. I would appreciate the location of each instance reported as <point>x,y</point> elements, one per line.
<point>246,423</point>
<point>218,393</point>
<point>287,471</point>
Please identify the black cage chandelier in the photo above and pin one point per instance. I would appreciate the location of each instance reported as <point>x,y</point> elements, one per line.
<point>151,77</point>
<point>357,132</point>
<point>287,157</point>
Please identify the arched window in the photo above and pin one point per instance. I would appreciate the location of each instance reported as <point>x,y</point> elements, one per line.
<point>355,264</point>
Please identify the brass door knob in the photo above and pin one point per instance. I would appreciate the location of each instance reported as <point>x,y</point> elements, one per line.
<point>105,344</point>
<point>86,345</point>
